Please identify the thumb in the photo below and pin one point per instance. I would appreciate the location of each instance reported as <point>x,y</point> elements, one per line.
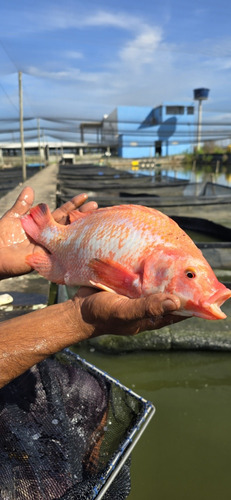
<point>23,203</point>
<point>155,305</point>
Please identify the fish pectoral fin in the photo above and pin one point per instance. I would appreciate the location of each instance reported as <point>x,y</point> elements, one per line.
<point>113,276</point>
<point>46,265</point>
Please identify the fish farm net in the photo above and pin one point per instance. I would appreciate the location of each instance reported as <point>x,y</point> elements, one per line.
<point>66,432</point>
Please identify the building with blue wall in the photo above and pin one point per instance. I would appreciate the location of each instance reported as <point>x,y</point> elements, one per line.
<point>142,131</point>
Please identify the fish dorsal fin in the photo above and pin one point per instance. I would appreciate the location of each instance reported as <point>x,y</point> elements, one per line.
<point>76,215</point>
<point>112,276</point>
<point>37,220</point>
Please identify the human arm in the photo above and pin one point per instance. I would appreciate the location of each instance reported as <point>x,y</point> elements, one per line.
<point>15,245</point>
<point>28,339</point>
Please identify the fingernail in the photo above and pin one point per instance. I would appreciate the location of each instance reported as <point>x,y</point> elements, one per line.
<point>169,305</point>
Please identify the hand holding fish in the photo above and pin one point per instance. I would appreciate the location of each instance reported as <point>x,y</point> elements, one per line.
<point>89,314</point>
<point>109,313</point>
<point>14,242</point>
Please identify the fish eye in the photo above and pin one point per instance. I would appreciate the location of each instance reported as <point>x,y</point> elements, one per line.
<point>190,273</point>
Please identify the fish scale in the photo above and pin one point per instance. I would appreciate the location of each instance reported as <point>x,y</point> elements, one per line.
<point>128,249</point>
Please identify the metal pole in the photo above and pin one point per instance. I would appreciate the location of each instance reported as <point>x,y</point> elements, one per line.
<point>199,124</point>
<point>39,143</point>
<point>21,126</point>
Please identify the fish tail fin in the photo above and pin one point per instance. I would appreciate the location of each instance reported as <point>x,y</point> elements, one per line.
<point>38,219</point>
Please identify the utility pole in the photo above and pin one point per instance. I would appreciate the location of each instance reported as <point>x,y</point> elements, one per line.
<point>21,126</point>
<point>39,144</point>
<point>199,124</point>
<point>200,95</point>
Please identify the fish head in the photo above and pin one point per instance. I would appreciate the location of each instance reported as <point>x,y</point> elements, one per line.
<point>192,280</point>
<point>200,292</point>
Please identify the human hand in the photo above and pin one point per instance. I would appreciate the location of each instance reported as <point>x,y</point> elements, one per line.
<point>89,314</point>
<point>110,313</point>
<point>15,244</point>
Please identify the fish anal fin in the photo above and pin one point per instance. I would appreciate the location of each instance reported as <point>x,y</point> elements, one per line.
<point>113,276</point>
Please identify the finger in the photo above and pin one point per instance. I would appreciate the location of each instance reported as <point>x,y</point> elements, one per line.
<point>160,322</point>
<point>85,291</point>
<point>87,207</point>
<point>154,306</point>
<point>61,213</point>
<point>23,203</point>
<point>162,304</point>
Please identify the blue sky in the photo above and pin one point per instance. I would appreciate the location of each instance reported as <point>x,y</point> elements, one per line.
<point>82,59</point>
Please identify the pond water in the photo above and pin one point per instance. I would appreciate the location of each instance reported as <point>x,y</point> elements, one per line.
<point>185,452</point>
<point>200,175</point>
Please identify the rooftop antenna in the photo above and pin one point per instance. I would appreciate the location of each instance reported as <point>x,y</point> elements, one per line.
<point>200,95</point>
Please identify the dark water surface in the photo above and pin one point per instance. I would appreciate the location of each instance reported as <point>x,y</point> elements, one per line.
<point>185,452</point>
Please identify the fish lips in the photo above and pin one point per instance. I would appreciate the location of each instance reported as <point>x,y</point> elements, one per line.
<point>212,305</point>
<point>209,308</point>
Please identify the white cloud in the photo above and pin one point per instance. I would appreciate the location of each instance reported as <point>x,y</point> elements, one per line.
<point>55,18</point>
<point>106,18</point>
<point>65,19</point>
<point>142,49</point>
<point>146,70</point>
<point>142,68</point>
<point>69,74</point>
<point>220,63</point>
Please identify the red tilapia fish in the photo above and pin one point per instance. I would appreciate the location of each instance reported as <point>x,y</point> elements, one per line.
<point>129,249</point>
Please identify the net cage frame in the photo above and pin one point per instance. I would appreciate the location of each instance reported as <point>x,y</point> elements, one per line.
<point>44,430</point>
<point>124,450</point>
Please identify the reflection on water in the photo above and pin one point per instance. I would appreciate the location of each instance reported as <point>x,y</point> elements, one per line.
<point>186,450</point>
<point>199,175</point>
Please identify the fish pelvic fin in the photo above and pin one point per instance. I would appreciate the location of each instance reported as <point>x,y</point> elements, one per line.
<point>102,287</point>
<point>113,276</point>
<point>46,265</point>
<point>39,218</point>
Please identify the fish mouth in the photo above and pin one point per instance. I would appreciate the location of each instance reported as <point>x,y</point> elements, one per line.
<point>206,308</point>
<point>210,309</point>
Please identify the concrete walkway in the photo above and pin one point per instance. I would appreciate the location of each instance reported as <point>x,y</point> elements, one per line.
<point>44,185</point>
